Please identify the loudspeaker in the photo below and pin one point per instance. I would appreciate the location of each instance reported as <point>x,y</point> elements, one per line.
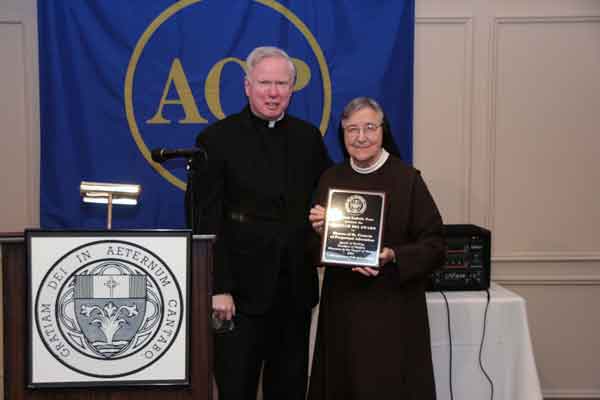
<point>468,260</point>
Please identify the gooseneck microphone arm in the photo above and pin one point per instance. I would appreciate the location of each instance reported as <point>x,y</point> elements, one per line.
<point>162,154</point>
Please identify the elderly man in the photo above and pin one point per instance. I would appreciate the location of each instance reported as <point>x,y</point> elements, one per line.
<point>254,192</point>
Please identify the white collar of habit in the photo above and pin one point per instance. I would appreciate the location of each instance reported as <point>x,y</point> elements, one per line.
<point>383,156</point>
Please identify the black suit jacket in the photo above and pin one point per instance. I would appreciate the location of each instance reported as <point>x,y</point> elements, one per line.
<point>259,228</point>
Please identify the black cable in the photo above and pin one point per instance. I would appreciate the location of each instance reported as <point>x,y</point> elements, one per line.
<point>450,344</point>
<point>481,345</point>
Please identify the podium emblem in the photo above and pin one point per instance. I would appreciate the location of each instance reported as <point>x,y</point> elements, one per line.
<point>109,309</point>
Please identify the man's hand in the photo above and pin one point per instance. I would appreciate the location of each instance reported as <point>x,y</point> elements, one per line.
<point>387,255</point>
<point>223,306</point>
<point>317,218</point>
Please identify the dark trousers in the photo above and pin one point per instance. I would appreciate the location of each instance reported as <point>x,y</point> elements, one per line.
<point>279,339</point>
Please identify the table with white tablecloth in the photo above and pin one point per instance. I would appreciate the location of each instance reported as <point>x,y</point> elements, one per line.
<point>506,356</point>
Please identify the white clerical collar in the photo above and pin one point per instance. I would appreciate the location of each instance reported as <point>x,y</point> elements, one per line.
<point>383,156</point>
<point>271,124</point>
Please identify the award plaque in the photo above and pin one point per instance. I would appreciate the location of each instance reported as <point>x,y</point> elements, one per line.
<point>353,228</point>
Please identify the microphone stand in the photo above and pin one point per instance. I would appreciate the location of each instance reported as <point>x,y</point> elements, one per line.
<point>191,168</point>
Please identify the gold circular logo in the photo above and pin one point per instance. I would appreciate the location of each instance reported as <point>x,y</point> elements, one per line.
<point>171,11</point>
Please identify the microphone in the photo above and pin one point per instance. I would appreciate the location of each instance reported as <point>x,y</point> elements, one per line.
<point>161,155</point>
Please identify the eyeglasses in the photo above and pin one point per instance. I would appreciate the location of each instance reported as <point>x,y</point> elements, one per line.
<point>369,129</point>
<point>265,85</point>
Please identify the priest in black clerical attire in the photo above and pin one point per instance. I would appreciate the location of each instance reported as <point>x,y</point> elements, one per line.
<point>254,192</point>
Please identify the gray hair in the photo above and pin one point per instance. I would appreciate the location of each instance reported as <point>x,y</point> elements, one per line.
<point>260,53</point>
<point>360,103</point>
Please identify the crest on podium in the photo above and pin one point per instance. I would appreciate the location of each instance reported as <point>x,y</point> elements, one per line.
<point>108,307</point>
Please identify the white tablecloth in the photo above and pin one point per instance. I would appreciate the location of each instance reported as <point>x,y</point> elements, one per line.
<point>507,354</point>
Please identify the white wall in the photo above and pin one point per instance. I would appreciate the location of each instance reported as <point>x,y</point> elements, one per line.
<point>19,132</point>
<point>507,116</point>
<point>507,123</point>
<point>19,121</point>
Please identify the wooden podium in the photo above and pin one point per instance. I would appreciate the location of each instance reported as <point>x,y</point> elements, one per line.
<point>15,302</point>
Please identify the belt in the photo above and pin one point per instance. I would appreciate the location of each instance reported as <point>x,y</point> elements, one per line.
<point>245,218</point>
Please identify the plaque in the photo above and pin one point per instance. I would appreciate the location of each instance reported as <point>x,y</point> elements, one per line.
<point>353,228</point>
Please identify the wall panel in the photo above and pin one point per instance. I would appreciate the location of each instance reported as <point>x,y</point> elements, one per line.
<point>546,120</point>
<point>565,347</point>
<point>442,116</point>
<point>15,154</point>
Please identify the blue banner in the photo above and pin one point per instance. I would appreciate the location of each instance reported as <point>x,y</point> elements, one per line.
<point>120,78</point>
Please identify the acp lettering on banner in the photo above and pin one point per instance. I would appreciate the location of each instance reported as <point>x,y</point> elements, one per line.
<point>178,82</point>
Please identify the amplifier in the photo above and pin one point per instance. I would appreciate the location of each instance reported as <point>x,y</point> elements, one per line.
<point>468,260</point>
